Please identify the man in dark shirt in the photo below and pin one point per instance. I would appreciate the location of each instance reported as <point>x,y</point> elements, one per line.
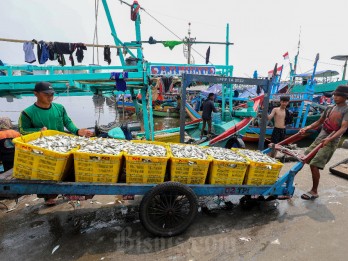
<point>208,108</point>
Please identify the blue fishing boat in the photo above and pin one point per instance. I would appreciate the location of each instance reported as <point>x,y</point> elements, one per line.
<point>304,110</point>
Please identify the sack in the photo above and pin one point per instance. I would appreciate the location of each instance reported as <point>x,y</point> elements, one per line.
<point>288,117</point>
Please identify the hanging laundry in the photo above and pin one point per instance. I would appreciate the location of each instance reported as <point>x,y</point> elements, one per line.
<point>64,48</point>
<point>124,50</point>
<point>79,51</point>
<point>2,73</point>
<point>152,40</point>
<point>134,10</point>
<point>42,52</point>
<point>52,55</point>
<point>167,82</point>
<point>171,44</point>
<point>107,54</point>
<point>121,84</point>
<point>28,48</point>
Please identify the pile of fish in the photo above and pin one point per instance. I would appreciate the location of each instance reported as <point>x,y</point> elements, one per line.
<point>257,156</point>
<point>59,143</point>
<point>188,151</point>
<point>224,154</point>
<point>104,146</point>
<point>146,149</point>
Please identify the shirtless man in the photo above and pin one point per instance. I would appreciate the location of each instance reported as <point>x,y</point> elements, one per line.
<point>279,115</point>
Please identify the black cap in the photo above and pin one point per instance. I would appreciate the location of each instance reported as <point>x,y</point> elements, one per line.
<point>45,87</point>
<point>341,90</point>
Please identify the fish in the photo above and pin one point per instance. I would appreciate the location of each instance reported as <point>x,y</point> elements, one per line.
<point>65,143</point>
<point>146,149</point>
<point>224,154</point>
<point>256,156</point>
<point>188,151</point>
<point>58,143</point>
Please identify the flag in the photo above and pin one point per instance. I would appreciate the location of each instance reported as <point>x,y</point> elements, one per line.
<point>279,69</point>
<point>286,55</point>
<point>207,55</point>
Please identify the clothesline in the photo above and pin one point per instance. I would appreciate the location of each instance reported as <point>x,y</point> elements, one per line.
<point>88,45</point>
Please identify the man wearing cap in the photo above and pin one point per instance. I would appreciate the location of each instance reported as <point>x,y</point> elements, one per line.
<point>334,122</point>
<point>46,115</point>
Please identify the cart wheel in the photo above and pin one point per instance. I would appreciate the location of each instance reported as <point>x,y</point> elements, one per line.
<point>168,209</point>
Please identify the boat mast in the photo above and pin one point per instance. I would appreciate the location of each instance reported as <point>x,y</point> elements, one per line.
<point>293,71</point>
<point>345,59</point>
<point>188,42</point>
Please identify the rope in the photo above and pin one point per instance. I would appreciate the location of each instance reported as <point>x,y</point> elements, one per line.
<point>88,45</point>
<point>311,60</point>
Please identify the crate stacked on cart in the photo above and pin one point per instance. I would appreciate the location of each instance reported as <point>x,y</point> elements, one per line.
<point>146,162</point>
<point>38,163</point>
<point>227,166</point>
<point>99,160</point>
<point>263,170</point>
<point>189,164</point>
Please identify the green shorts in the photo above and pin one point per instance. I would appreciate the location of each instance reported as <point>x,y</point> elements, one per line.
<point>324,155</point>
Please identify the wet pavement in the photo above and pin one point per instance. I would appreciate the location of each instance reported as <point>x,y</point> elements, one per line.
<point>103,229</point>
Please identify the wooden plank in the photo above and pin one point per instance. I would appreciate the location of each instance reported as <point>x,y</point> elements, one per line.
<point>340,169</point>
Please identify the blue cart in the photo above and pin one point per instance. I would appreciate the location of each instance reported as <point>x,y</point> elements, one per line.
<point>169,208</point>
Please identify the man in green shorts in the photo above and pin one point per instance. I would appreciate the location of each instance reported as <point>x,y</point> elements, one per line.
<point>333,120</point>
<point>46,115</point>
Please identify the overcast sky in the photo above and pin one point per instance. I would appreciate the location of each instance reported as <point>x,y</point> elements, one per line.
<point>261,30</point>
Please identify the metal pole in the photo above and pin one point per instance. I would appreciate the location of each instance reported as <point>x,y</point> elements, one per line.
<point>138,37</point>
<point>182,108</point>
<point>189,46</point>
<point>344,71</point>
<point>123,106</point>
<point>267,93</point>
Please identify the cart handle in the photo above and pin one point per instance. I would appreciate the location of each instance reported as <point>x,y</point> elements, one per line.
<point>296,137</point>
<point>304,158</point>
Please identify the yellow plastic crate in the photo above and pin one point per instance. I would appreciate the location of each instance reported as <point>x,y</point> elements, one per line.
<point>32,162</point>
<point>227,172</point>
<point>261,173</point>
<point>189,170</point>
<point>146,169</point>
<point>94,167</point>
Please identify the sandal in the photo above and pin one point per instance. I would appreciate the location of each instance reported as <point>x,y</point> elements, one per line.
<point>309,196</point>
